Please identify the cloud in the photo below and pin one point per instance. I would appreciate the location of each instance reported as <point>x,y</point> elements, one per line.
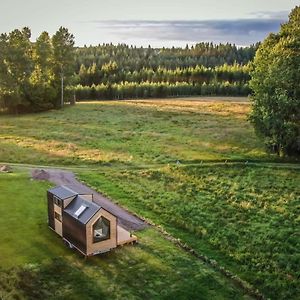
<point>280,15</point>
<point>241,31</point>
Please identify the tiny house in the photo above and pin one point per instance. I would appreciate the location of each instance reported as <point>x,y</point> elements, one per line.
<point>82,223</point>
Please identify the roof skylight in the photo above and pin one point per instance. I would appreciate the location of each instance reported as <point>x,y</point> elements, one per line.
<point>80,210</point>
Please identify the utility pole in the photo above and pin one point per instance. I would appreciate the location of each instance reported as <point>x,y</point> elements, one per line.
<point>62,90</point>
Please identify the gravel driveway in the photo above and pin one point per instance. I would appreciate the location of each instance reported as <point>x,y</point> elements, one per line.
<point>67,178</point>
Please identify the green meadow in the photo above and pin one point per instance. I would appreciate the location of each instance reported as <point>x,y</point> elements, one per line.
<point>193,166</point>
<point>132,133</point>
<point>35,264</point>
<point>244,217</point>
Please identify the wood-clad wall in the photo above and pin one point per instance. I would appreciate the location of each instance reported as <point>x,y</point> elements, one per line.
<point>92,247</point>
<point>58,227</point>
<point>87,197</point>
<point>50,211</point>
<point>67,201</point>
<point>74,232</point>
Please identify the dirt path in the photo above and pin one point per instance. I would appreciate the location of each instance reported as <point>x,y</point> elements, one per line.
<point>67,178</point>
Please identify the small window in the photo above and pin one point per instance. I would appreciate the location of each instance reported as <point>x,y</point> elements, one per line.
<point>57,216</point>
<point>57,201</point>
<point>101,230</point>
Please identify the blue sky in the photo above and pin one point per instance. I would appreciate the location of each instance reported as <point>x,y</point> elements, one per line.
<point>156,22</point>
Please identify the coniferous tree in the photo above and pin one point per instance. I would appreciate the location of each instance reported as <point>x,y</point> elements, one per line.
<point>43,92</point>
<point>63,59</point>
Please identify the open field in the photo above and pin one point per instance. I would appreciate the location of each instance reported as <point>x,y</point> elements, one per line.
<point>132,132</point>
<point>158,159</point>
<point>35,264</point>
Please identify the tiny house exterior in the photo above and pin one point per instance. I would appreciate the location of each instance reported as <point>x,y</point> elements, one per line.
<point>82,223</point>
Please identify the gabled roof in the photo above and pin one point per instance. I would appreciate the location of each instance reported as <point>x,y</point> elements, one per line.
<point>62,192</point>
<point>81,209</point>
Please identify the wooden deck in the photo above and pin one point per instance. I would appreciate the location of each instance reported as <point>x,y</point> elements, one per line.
<point>125,237</point>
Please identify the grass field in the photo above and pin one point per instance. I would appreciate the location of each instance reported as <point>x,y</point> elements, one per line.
<point>35,264</point>
<point>244,215</point>
<point>247,218</point>
<point>132,132</point>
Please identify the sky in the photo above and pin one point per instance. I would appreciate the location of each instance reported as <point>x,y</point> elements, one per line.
<point>155,22</point>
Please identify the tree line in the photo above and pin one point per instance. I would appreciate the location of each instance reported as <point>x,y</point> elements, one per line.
<point>133,90</point>
<point>31,73</point>
<point>131,58</point>
<point>206,69</point>
<point>112,73</point>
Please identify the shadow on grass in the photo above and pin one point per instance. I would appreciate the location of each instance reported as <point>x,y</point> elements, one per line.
<point>140,272</point>
<point>64,281</point>
<point>53,280</point>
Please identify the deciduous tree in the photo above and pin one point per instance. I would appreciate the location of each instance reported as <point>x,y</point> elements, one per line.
<point>276,86</point>
<point>15,69</point>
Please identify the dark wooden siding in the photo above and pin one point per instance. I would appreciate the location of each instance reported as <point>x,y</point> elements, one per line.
<point>74,232</point>
<point>50,210</point>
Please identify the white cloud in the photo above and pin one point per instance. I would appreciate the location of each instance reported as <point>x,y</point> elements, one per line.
<point>240,31</point>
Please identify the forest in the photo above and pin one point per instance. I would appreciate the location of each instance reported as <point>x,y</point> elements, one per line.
<point>120,71</point>
<point>43,74</point>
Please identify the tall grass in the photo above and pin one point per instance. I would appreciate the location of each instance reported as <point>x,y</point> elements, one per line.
<point>245,217</point>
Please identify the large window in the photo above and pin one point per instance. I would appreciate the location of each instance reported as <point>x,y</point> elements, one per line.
<point>101,230</point>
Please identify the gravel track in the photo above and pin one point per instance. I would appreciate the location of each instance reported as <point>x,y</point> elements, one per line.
<point>67,178</point>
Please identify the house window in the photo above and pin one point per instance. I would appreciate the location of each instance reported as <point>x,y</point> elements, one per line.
<point>57,201</point>
<point>57,216</point>
<point>101,230</point>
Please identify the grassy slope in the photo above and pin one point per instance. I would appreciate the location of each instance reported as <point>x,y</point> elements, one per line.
<point>36,265</point>
<point>244,217</point>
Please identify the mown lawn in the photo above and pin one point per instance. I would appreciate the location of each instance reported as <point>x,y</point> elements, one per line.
<point>131,132</point>
<point>245,217</point>
<point>35,264</point>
